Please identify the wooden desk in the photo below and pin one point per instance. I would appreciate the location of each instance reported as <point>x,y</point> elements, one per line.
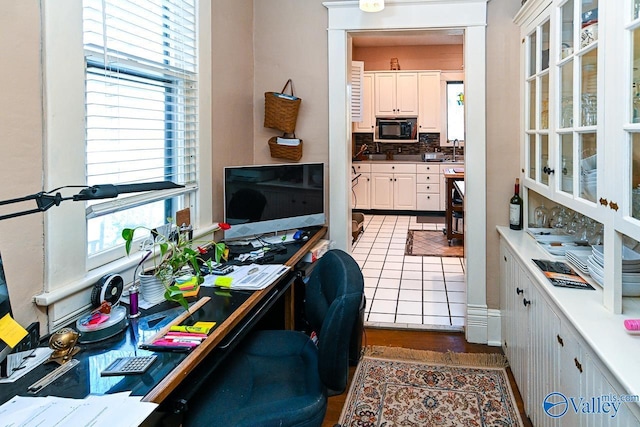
<point>235,311</point>
<point>452,176</point>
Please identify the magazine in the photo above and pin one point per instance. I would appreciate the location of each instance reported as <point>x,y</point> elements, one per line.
<point>560,274</point>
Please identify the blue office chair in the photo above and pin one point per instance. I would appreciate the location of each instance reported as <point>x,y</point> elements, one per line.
<point>281,378</point>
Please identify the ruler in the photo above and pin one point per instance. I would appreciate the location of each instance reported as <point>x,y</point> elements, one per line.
<point>52,376</point>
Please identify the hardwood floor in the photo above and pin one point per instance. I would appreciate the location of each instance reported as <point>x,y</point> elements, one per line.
<point>419,340</point>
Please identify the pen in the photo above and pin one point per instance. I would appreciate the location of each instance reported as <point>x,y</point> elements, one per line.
<point>253,270</point>
<point>170,348</point>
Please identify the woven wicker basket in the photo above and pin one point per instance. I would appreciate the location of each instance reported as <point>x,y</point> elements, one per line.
<point>281,112</point>
<point>285,151</point>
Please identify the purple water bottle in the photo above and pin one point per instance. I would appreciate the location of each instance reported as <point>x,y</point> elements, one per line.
<point>133,301</point>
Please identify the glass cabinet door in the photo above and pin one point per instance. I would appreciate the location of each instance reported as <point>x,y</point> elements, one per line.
<point>577,99</point>
<point>633,179</point>
<point>537,105</point>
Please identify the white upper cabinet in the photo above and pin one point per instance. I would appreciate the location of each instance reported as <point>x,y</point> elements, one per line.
<point>429,101</point>
<point>396,94</point>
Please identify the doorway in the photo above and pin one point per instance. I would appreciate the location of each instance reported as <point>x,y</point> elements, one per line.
<point>345,19</point>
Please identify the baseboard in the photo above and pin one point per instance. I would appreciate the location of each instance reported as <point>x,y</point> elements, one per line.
<point>494,330</point>
<point>477,324</point>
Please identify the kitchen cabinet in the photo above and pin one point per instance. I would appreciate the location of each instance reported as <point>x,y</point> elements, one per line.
<point>361,187</point>
<point>429,101</point>
<point>581,144</point>
<point>396,93</point>
<point>555,344</point>
<point>393,186</point>
<point>427,187</point>
<point>368,122</point>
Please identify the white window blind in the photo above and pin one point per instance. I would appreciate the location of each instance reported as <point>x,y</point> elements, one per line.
<point>357,77</point>
<point>141,109</point>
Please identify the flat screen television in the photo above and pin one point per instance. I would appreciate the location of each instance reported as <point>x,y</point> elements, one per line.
<point>264,199</point>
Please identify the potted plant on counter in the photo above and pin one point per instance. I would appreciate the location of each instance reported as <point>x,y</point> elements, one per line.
<point>176,256</point>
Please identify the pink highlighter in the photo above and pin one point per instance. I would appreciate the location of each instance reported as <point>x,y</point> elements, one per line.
<point>632,325</point>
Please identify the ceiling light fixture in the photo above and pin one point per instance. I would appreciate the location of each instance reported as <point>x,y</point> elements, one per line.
<point>371,5</point>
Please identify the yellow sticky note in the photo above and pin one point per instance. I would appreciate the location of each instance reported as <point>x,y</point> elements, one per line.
<point>10,331</point>
<point>206,325</point>
<point>224,281</point>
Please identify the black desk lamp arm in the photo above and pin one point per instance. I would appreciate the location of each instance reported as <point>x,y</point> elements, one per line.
<point>43,200</point>
<point>46,200</point>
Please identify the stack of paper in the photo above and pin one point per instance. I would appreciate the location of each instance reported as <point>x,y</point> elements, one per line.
<point>293,142</point>
<point>248,277</point>
<point>110,410</point>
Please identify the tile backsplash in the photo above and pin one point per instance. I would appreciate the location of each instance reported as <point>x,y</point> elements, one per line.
<point>428,143</point>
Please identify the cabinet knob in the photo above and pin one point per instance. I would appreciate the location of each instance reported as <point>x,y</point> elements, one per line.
<point>518,290</point>
<point>526,302</point>
<point>560,340</point>
<point>428,177</point>
<point>603,201</point>
<point>505,258</point>
<point>548,170</point>
<point>614,206</point>
<point>578,364</point>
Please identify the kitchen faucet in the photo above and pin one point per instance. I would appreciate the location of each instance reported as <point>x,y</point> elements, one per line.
<point>455,143</point>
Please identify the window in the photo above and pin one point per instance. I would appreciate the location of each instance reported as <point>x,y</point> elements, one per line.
<point>455,111</point>
<point>141,99</point>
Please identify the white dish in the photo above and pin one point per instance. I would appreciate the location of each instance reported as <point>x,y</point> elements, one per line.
<point>629,256</point>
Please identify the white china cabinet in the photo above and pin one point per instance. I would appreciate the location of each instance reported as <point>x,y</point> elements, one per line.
<point>580,69</point>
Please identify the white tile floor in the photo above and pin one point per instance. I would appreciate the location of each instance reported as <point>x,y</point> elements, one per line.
<point>402,291</point>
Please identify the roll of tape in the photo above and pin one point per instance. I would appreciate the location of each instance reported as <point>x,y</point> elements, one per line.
<point>109,288</point>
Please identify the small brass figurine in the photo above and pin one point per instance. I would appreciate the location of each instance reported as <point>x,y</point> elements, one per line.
<point>63,344</point>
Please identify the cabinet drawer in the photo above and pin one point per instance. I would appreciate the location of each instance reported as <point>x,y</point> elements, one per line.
<point>362,167</point>
<point>427,168</point>
<point>430,188</point>
<point>428,202</point>
<point>424,178</point>
<point>394,167</point>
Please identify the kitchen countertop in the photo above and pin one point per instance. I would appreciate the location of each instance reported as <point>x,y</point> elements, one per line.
<point>409,158</point>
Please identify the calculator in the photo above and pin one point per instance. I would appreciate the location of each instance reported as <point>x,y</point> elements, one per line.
<point>130,365</point>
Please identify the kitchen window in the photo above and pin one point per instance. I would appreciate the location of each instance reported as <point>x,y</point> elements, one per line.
<point>455,111</point>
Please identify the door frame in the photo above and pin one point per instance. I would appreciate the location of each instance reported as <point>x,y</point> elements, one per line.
<point>344,17</point>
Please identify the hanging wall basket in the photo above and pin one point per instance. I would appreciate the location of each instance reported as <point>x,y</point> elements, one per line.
<point>281,109</point>
<point>288,152</point>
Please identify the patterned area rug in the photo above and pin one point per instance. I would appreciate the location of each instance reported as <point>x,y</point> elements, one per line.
<point>430,220</point>
<point>401,387</point>
<point>432,243</point>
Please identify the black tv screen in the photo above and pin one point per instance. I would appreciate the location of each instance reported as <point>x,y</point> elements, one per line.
<point>272,198</point>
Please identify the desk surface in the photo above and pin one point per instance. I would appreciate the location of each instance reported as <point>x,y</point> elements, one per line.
<point>230,309</point>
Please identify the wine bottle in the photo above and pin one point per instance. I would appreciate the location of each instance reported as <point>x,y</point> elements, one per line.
<point>515,209</point>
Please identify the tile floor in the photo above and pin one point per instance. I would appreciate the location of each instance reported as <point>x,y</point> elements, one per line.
<point>404,291</point>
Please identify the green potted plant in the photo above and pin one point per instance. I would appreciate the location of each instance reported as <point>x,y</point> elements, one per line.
<point>178,256</point>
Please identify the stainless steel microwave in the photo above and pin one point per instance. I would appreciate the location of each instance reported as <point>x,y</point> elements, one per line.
<point>396,129</point>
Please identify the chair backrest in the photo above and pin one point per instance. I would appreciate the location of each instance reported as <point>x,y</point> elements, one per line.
<point>333,297</point>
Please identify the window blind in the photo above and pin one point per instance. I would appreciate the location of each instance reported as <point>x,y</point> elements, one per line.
<point>141,96</point>
<point>357,77</point>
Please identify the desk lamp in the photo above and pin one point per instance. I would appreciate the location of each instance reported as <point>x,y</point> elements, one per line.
<point>46,200</point>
